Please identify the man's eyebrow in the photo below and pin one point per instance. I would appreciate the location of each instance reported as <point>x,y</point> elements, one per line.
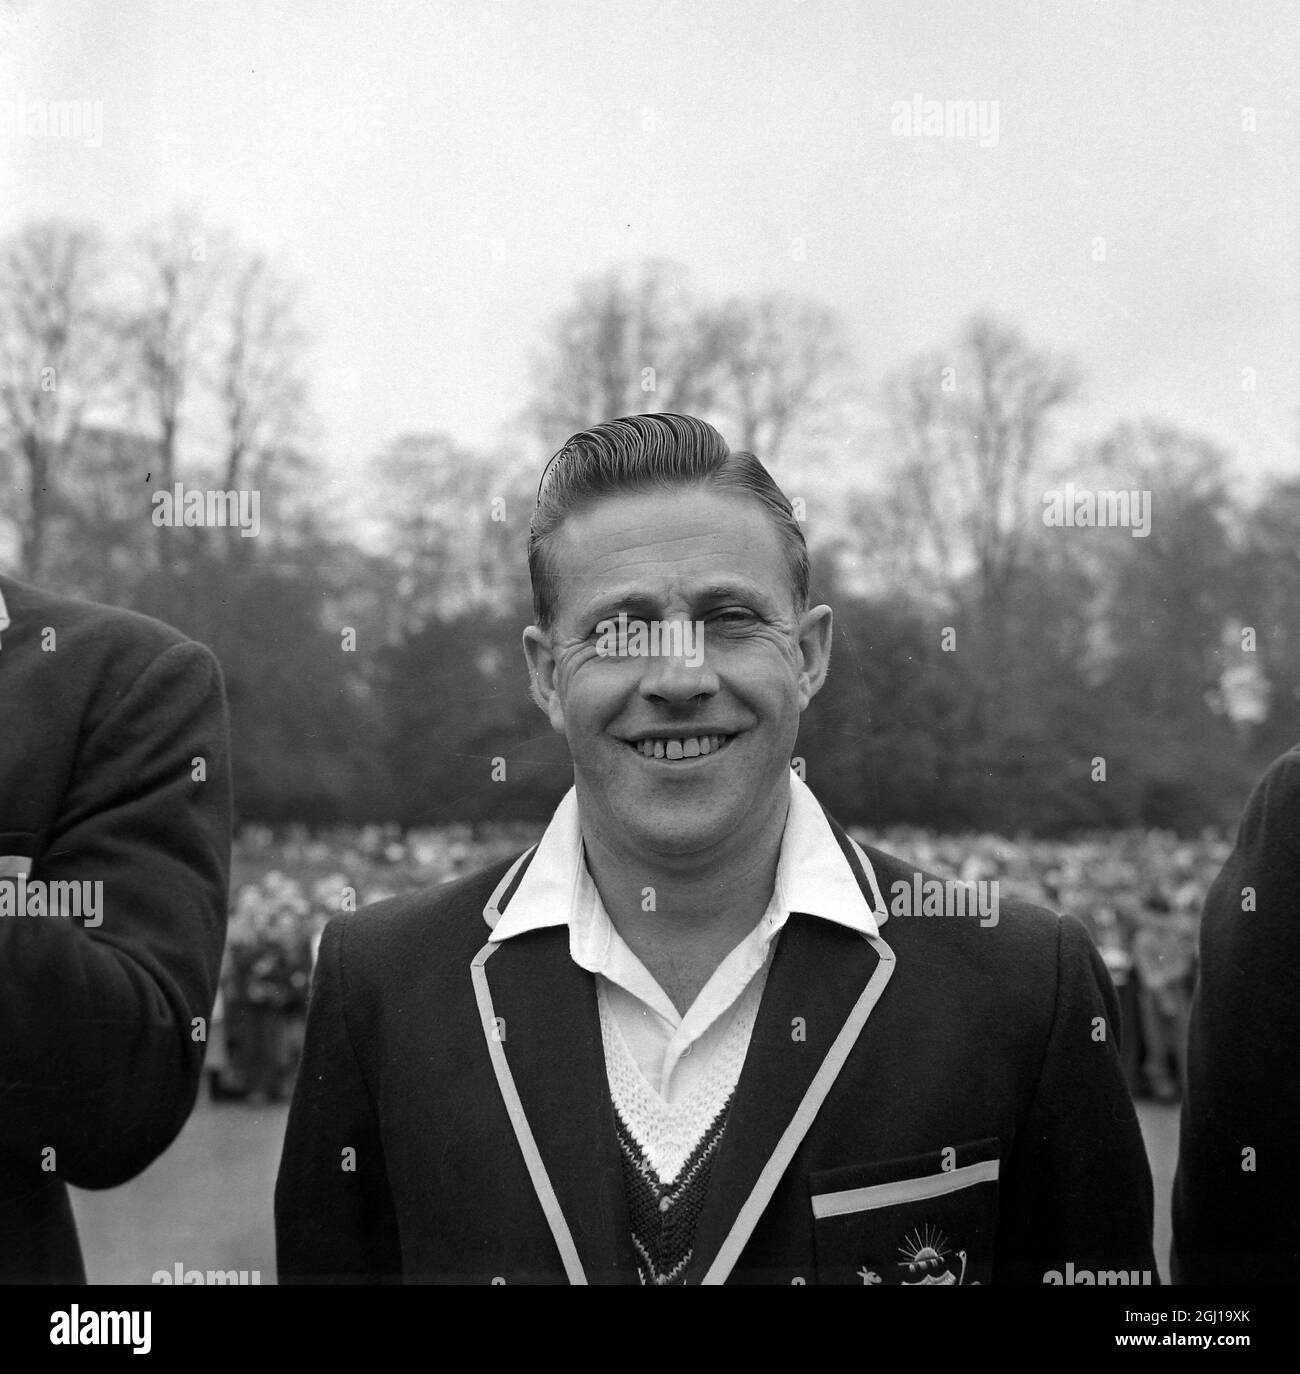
<point>732,591</point>
<point>639,602</point>
<point>614,602</point>
<point>606,607</point>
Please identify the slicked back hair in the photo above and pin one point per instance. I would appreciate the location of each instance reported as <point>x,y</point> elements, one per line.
<point>648,453</point>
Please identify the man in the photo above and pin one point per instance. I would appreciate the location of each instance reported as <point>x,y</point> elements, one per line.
<point>1236,1205</point>
<point>114,863</point>
<point>682,1039</point>
<point>1164,954</point>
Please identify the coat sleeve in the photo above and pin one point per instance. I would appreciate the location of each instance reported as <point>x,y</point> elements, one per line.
<point>100,1052</point>
<point>1236,1203</point>
<point>1077,1188</point>
<point>334,1216</point>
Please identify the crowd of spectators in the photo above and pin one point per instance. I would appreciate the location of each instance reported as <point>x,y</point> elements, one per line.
<point>283,891</point>
<point>1139,894</point>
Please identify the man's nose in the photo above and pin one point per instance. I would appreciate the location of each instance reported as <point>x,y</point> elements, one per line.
<point>679,677</point>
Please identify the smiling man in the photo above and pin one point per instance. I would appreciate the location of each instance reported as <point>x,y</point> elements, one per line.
<point>677,1041</point>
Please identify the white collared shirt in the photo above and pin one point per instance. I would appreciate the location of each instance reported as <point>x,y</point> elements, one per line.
<point>678,1054</point>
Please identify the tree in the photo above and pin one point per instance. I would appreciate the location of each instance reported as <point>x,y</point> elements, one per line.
<point>454,526</point>
<point>637,340</point>
<point>634,341</point>
<point>55,369</point>
<point>1167,595</point>
<point>969,425</point>
<point>260,388</point>
<point>781,361</point>
<point>1267,595</point>
<point>1166,601</point>
<point>170,324</point>
<point>104,545</point>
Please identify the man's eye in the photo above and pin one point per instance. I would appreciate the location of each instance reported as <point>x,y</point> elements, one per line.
<point>615,631</point>
<point>734,616</point>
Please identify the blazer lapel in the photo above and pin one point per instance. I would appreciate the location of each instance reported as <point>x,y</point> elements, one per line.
<point>544,1011</point>
<point>823,984</point>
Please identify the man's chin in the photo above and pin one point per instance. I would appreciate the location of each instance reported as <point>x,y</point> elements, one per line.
<point>657,813</point>
<point>667,829</point>
<point>675,840</point>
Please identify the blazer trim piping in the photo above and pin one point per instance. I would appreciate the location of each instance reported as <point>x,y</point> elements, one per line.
<point>519,1121</point>
<point>505,889</point>
<point>800,1123</point>
<point>881,912</point>
<point>903,1190</point>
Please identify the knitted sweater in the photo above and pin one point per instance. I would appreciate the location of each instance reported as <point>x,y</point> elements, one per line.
<point>668,1149</point>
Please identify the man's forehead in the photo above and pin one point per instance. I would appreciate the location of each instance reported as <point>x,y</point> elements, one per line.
<point>680,542</point>
<point>679,523</point>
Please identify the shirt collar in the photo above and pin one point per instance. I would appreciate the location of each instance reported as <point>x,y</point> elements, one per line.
<point>812,875</point>
<point>5,622</point>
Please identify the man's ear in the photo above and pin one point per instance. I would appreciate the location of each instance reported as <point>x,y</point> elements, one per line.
<point>814,652</point>
<point>541,675</point>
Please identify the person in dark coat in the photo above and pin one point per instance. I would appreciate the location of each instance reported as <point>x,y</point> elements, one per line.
<point>1236,1202</point>
<point>697,1034</point>
<point>115,816</point>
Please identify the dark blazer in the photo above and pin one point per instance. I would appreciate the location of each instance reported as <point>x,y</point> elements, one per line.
<point>101,715</point>
<point>1236,1205</point>
<point>980,1109</point>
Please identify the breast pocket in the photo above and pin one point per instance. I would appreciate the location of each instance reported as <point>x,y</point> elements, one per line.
<point>926,1220</point>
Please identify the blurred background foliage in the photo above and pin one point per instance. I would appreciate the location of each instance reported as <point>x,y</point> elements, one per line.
<point>982,660</point>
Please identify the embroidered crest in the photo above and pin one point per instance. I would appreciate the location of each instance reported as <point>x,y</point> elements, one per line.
<point>928,1260</point>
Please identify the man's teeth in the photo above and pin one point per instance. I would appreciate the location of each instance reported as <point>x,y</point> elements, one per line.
<point>689,747</point>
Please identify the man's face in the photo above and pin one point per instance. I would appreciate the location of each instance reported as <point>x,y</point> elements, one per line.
<point>691,555</point>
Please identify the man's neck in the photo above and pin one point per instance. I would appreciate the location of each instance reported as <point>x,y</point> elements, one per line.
<point>701,910</point>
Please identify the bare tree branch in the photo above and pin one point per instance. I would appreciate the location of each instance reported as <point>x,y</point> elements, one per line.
<point>55,360</point>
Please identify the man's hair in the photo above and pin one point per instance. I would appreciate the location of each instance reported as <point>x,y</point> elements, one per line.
<point>646,453</point>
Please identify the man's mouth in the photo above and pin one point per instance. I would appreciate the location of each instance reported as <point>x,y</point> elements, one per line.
<point>681,747</point>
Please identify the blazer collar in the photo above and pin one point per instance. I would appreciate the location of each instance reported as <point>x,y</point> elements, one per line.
<point>550,886</point>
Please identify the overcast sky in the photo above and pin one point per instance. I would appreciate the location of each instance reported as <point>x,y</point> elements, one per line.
<point>440,174</point>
